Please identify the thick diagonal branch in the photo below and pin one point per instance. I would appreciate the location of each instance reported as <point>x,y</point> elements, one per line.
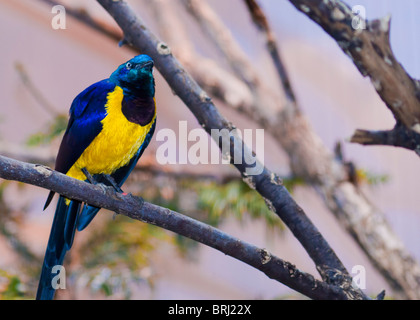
<point>133,207</point>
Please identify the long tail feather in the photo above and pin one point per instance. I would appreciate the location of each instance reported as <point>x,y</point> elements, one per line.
<point>60,241</point>
<point>86,216</point>
<point>49,199</point>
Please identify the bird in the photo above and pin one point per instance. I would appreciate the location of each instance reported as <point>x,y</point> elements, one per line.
<point>110,125</point>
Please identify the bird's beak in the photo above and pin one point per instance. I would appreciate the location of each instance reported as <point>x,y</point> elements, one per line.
<point>146,65</point>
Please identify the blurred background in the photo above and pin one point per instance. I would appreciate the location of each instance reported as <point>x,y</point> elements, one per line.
<point>43,69</point>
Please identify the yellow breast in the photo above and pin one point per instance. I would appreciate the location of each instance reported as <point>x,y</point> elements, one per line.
<point>115,145</point>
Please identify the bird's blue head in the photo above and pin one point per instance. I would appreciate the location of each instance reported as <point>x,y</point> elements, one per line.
<point>135,77</point>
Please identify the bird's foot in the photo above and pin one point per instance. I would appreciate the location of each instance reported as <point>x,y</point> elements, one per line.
<point>116,187</point>
<point>89,176</point>
<point>113,183</point>
<point>106,177</point>
<point>92,180</point>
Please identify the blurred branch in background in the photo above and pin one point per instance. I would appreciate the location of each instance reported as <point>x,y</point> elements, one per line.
<point>264,99</point>
<point>400,136</point>
<point>8,221</point>
<point>36,93</point>
<point>136,208</point>
<point>261,21</point>
<point>59,122</point>
<point>115,258</point>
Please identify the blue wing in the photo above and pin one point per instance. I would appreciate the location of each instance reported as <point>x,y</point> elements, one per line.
<point>86,113</point>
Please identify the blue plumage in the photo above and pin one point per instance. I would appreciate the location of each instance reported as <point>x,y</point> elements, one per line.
<point>86,113</point>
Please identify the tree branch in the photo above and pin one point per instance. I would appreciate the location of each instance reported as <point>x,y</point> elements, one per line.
<point>266,183</point>
<point>261,21</point>
<point>400,136</point>
<point>36,93</point>
<point>371,52</point>
<point>134,207</point>
<point>211,25</point>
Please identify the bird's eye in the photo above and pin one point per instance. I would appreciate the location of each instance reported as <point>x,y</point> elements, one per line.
<point>129,65</point>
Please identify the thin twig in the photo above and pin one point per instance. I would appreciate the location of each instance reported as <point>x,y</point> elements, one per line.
<point>261,21</point>
<point>400,136</point>
<point>36,93</point>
